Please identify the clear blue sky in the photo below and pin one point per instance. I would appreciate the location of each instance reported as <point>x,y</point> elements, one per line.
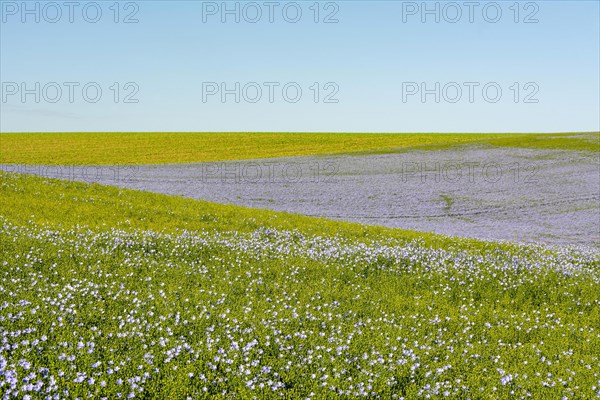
<point>370,56</point>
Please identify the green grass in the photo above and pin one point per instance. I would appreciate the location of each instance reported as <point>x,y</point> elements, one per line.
<point>159,148</point>
<point>171,290</point>
<point>165,287</point>
<point>448,200</point>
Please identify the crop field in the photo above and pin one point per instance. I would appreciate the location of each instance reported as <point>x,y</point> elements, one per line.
<point>170,148</point>
<point>488,192</point>
<point>110,292</point>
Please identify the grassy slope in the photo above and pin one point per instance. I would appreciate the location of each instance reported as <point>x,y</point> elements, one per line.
<point>67,204</point>
<point>157,148</point>
<point>488,318</point>
<point>492,319</point>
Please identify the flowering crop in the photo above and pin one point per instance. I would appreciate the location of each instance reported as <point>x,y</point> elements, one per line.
<point>114,313</point>
<point>89,310</point>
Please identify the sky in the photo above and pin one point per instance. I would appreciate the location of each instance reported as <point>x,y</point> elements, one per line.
<point>340,66</point>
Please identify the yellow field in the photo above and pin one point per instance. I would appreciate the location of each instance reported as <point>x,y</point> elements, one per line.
<point>159,148</point>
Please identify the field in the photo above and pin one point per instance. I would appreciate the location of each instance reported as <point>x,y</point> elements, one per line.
<point>488,192</point>
<point>109,292</point>
<point>165,148</point>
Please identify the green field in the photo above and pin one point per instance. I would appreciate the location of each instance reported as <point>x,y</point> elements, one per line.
<point>165,148</point>
<point>107,292</point>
